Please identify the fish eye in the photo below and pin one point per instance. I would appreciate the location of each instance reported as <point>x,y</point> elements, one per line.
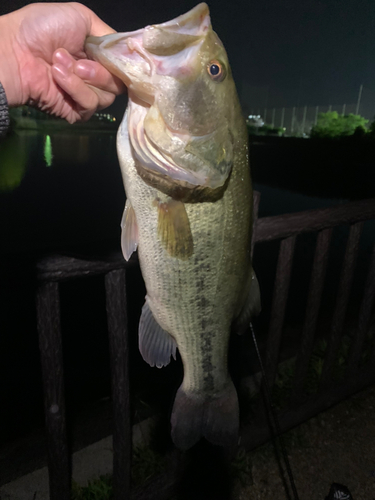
<point>216,70</point>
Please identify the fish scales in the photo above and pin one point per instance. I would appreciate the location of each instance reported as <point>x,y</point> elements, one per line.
<point>188,296</point>
<point>189,208</point>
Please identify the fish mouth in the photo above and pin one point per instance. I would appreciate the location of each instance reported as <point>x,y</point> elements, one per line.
<point>147,60</point>
<point>122,54</point>
<point>136,56</point>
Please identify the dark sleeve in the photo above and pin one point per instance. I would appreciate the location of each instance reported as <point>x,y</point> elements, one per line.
<point>4,112</point>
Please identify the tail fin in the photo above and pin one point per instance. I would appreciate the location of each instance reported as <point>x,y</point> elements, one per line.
<point>215,418</point>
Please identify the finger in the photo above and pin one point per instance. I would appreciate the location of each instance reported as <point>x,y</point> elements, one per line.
<point>62,57</point>
<point>93,73</point>
<point>88,98</point>
<point>96,27</point>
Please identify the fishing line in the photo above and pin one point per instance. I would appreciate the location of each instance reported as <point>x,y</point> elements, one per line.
<point>272,415</point>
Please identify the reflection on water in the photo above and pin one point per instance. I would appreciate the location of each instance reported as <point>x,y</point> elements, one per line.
<point>48,156</point>
<point>13,159</point>
<point>67,144</point>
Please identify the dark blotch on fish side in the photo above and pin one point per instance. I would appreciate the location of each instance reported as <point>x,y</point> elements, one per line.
<point>200,285</point>
<point>208,379</point>
<point>203,302</point>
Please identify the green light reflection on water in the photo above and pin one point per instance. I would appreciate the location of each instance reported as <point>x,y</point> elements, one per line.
<point>48,156</point>
<point>13,160</point>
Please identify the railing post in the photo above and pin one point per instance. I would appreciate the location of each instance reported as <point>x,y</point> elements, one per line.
<point>312,311</point>
<point>342,300</point>
<point>280,297</point>
<point>363,322</point>
<point>50,346</point>
<point>115,285</point>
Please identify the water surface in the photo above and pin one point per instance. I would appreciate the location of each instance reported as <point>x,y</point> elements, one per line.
<point>64,190</point>
<point>58,190</point>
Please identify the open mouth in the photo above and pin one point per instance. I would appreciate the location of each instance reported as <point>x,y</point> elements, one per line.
<point>130,54</point>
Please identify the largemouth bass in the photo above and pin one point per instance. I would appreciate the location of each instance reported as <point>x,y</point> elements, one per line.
<point>182,147</point>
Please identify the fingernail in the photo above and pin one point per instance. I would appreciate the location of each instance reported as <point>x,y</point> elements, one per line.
<point>63,58</point>
<point>84,70</point>
<point>64,72</point>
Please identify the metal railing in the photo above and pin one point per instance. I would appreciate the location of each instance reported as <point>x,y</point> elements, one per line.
<point>285,228</point>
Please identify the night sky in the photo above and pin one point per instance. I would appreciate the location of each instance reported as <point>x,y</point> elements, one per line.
<point>282,52</point>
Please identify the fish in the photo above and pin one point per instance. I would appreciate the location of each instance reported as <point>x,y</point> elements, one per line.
<point>183,151</point>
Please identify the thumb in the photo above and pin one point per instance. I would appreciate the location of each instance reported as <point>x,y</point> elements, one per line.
<point>95,26</point>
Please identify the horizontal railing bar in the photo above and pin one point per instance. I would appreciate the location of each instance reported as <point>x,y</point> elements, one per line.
<point>59,267</point>
<point>283,226</point>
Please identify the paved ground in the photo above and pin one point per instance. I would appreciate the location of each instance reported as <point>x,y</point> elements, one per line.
<point>336,446</point>
<point>89,463</point>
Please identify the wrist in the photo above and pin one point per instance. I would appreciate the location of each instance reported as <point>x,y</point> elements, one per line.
<point>9,68</point>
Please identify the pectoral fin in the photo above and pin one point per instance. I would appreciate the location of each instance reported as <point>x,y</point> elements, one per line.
<point>129,235</point>
<point>155,344</point>
<point>174,229</point>
<point>251,307</point>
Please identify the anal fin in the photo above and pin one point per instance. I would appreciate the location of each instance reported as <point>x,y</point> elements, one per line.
<point>155,344</point>
<point>129,235</point>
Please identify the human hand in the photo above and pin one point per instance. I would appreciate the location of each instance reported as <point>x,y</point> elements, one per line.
<point>42,61</point>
